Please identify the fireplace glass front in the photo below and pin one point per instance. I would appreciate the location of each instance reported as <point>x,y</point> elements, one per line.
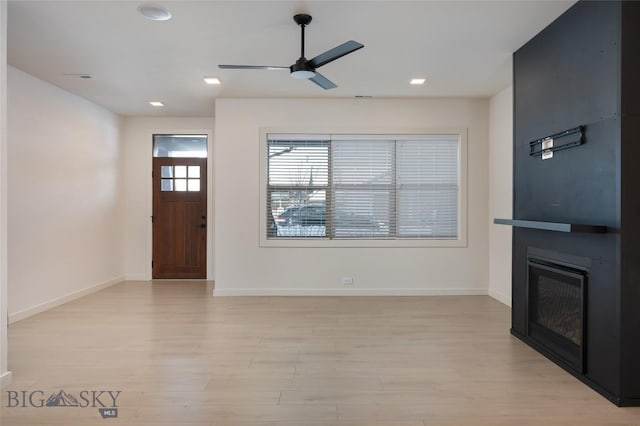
<point>556,309</point>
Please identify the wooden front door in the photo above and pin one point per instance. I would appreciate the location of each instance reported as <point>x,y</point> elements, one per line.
<point>179,218</point>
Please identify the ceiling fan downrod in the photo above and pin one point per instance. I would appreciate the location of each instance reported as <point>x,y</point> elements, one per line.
<point>301,69</point>
<point>302,19</point>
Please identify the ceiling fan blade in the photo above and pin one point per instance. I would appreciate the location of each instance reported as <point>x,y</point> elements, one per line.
<point>251,67</point>
<point>335,53</point>
<point>323,81</point>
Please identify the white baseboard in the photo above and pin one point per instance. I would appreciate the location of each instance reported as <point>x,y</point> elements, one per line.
<point>25,313</point>
<point>5,379</point>
<point>349,292</point>
<point>136,277</point>
<point>500,297</point>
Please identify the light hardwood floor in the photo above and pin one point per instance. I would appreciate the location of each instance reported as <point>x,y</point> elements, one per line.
<point>183,357</point>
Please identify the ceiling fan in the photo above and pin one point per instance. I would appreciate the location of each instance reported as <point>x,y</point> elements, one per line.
<point>306,68</point>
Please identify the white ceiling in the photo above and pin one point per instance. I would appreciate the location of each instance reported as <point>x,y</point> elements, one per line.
<point>463,48</point>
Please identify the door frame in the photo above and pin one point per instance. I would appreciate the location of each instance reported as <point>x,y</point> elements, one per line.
<point>149,195</point>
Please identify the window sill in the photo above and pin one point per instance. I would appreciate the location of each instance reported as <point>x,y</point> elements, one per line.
<point>326,243</point>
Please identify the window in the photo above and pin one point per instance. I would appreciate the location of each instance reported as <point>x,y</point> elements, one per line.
<point>180,146</point>
<point>354,187</point>
<point>180,178</point>
<point>297,186</point>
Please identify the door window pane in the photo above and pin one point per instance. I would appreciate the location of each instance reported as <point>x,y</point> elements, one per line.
<point>180,184</point>
<point>194,171</point>
<point>166,185</point>
<point>166,171</point>
<point>180,171</point>
<point>193,185</point>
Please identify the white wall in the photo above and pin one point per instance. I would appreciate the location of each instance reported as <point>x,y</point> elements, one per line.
<point>64,197</point>
<point>137,136</point>
<point>500,193</point>
<point>242,267</point>
<point>5,376</point>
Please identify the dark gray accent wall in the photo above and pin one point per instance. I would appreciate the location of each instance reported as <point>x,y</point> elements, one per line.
<point>584,69</point>
<point>567,76</point>
<point>630,198</point>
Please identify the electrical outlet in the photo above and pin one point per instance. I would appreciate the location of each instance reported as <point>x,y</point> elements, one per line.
<point>347,280</point>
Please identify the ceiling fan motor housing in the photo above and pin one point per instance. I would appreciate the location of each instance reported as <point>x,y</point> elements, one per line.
<point>301,69</point>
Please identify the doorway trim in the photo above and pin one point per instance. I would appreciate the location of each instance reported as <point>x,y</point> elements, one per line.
<point>149,196</point>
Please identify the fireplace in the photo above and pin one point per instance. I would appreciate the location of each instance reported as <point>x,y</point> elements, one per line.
<point>576,214</point>
<point>556,309</point>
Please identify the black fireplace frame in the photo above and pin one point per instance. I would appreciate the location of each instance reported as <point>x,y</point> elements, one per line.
<point>571,354</point>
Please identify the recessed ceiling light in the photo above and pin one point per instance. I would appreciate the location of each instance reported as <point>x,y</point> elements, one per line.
<point>417,81</point>
<point>156,104</point>
<point>154,13</point>
<point>212,80</point>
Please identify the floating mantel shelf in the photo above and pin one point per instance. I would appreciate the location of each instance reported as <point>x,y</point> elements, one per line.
<point>553,226</point>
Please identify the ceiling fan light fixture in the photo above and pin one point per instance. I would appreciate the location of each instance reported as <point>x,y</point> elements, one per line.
<point>154,12</point>
<point>302,70</point>
<point>303,74</point>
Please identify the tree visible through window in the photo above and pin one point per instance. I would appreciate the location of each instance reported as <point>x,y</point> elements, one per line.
<point>363,187</point>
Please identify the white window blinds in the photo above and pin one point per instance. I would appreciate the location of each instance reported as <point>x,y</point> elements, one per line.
<point>363,187</point>
<point>298,173</point>
<point>427,188</point>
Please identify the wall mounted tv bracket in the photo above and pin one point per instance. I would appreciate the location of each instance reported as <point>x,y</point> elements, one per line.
<point>545,147</point>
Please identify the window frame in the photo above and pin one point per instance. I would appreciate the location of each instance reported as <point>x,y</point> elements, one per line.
<point>319,242</point>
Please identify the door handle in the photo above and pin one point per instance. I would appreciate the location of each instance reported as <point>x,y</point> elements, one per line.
<point>204,225</point>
